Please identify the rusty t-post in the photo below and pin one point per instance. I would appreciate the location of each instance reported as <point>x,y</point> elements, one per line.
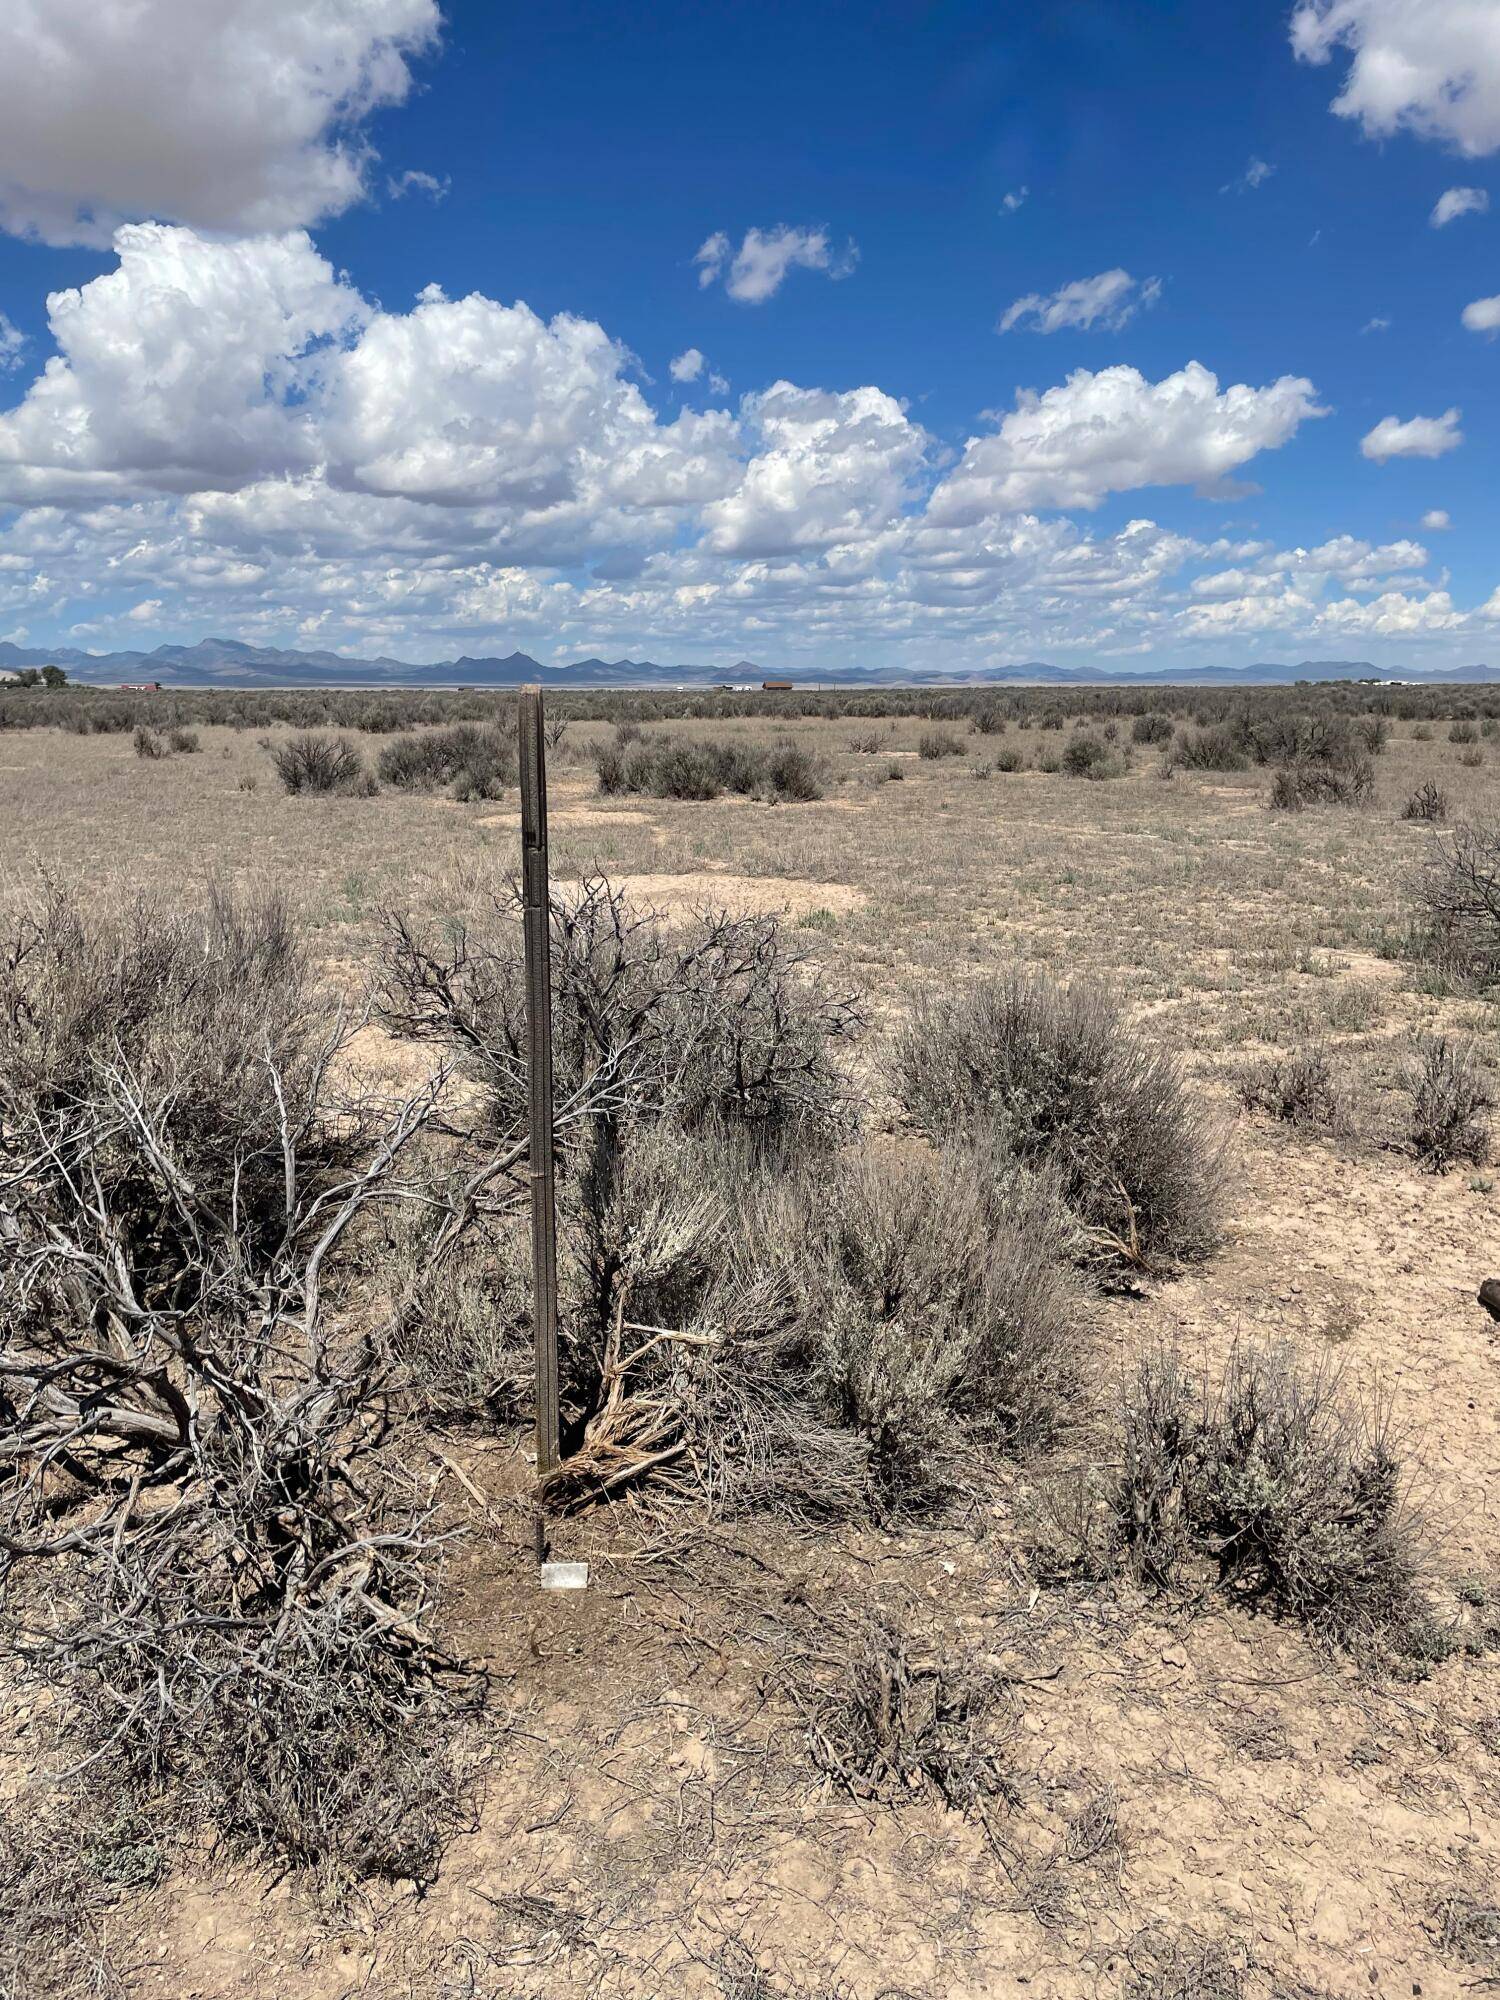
<point>536,900</point>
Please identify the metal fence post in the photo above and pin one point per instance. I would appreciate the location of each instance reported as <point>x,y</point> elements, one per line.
<point>536,899</point>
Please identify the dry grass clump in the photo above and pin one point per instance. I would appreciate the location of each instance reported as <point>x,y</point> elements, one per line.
<point>1185,1965</point>
<point>210,1556</point>
<point>1451,1094</point>
<point>1295,1498</point>
<point>312,763</point>
<point>467,761</point>
<point>1057,1078</point>
<point>1301,1089</point>
<point>933,744</point>
<point>1465,1925</point>
<point>672,767</point>
<point>64,1864</point>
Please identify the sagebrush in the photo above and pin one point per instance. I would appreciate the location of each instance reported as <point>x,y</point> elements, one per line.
<point>1056,1077</point>
<point>1277,1482</point>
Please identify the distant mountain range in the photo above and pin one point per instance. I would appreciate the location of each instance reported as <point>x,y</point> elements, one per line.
<point>229,663</point>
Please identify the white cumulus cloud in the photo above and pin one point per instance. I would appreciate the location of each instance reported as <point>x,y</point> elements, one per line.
<point>467,402</point>
<point>1426,66</point>
<point>1483,315</point>
<point>230,437</point>
<point>200,364</point>
<point>687,366</point>
<point>754,272</point>
<point>1417,437</point>
<point>1456,202</point>
<point>1114,431</point>
<point>1395,614</point>
<point>186,366</point>
<point>827,468</point>
<point>1436,519</point>
<point>222,114</point>
<point>1014,200</point>
<point>1108,301</point>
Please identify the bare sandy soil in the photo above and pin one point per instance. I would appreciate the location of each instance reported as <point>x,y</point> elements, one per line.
<point>1197,1802</point>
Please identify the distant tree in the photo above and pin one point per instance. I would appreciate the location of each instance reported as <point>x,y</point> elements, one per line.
<point>54,677</point>
<point>28,677</point>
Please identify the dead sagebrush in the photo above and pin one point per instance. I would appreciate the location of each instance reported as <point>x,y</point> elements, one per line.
<point>1067,1531</point>
<point>344,1760</point>
<point>1428,803</point>
<point>1457,897</point>
<point>886,1724</point>
<point>190,1421</point>
<point>719,1019</point>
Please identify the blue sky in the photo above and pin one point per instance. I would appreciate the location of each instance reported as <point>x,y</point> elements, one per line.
<point>1244,340</point>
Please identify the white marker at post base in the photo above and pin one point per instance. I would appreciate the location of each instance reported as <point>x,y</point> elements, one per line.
<point>565,1576</point>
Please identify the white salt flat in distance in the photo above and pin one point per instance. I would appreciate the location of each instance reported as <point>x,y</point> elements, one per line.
<point>565,1576</point>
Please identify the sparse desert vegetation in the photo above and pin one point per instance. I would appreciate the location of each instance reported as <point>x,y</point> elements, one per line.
<point>1023,1393</point>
